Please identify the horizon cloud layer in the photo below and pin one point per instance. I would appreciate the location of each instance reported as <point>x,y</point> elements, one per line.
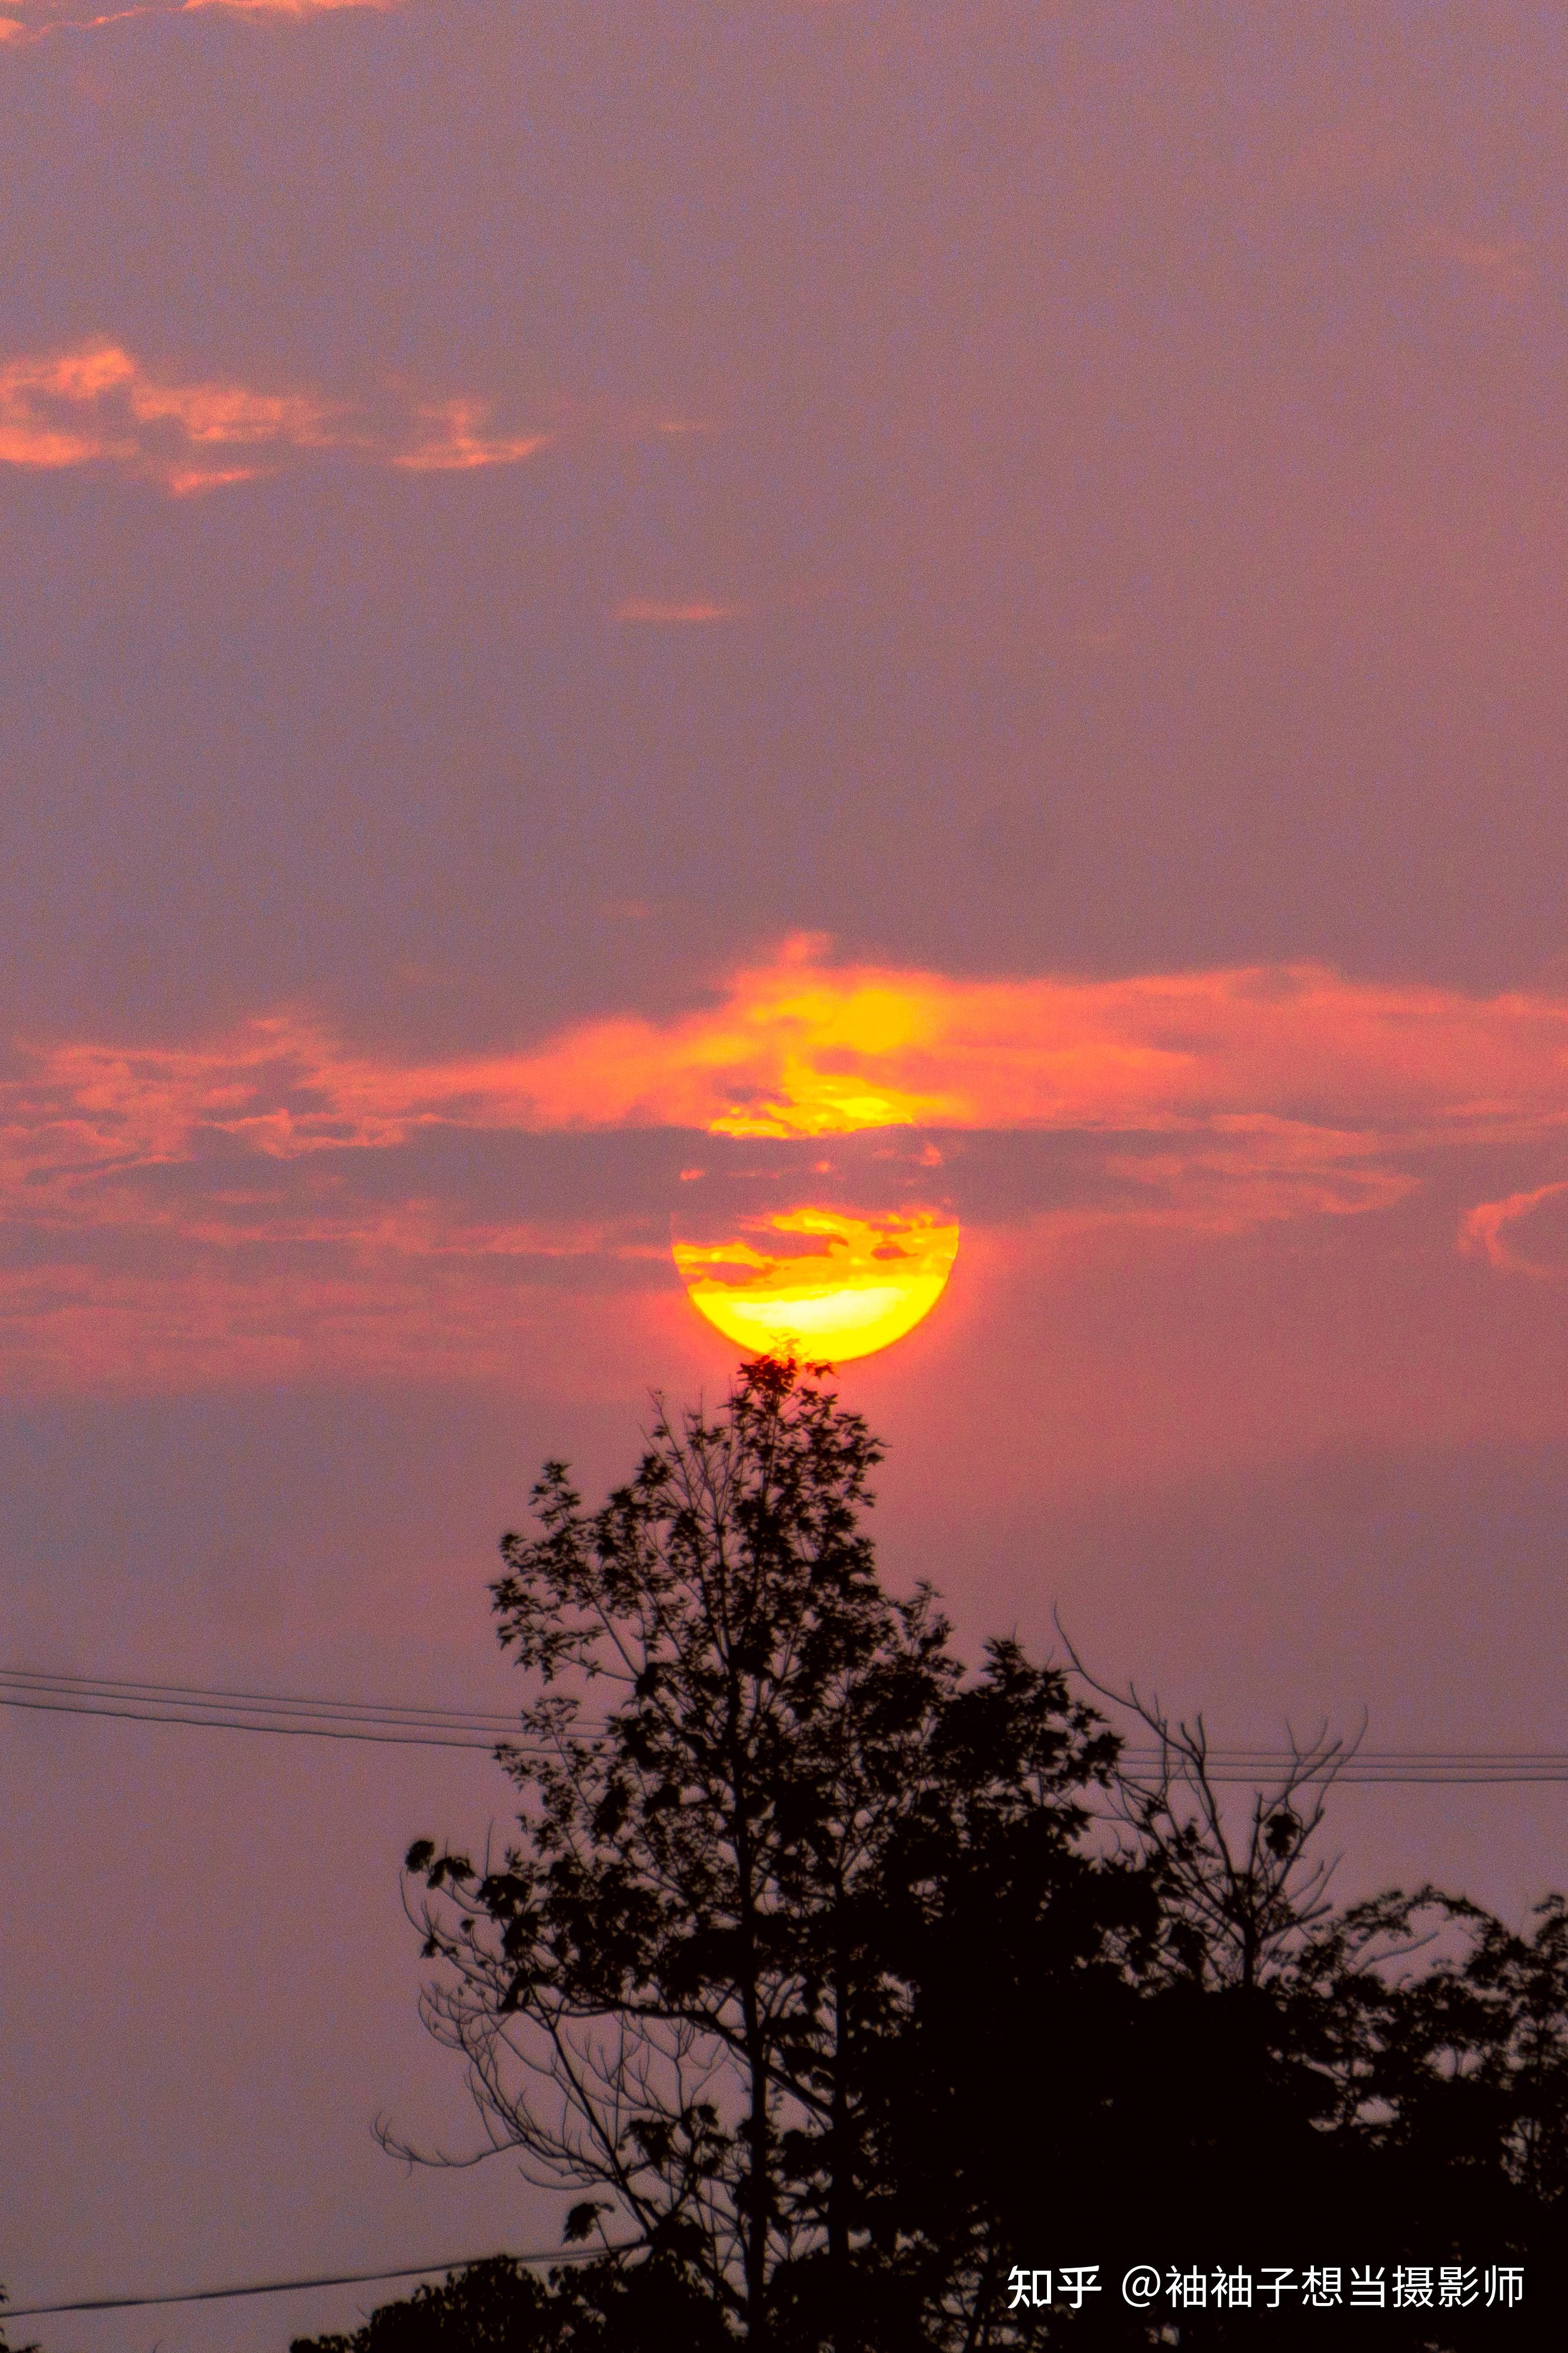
<point>1206,1103</point>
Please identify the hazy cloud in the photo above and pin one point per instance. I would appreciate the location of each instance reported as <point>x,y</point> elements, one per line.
<point>1541,1250</point>
<point>1507,266</point>
<point>97,406</point>
<point>644,608</point>
<point>1258,1059</point>
<point>242,1168</point>
<point>800,1046</point>
<point>24,23</point>
<point>201,1323</point>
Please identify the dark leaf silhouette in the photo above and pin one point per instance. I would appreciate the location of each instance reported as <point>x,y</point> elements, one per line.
<point>844,1981</point>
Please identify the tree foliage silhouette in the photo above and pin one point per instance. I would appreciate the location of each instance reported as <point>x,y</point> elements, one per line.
<point>678,1986</point>
<point>5,2345</point>
<point>500,2307</point>
<point>830,1983</point>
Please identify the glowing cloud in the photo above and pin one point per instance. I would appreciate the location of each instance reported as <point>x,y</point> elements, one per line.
<point>290,7</point>
<point>96,406</point>
<point>1261,1055</point>
<point>1282,1072</point>
<point>455,437</point>
<point>863,1285</point>
<point>676,615</point>
<point>1489,1229</point>
<point>38,22</point>
<point>1212,1103</point>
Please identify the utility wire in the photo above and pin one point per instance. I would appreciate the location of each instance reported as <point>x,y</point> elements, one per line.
<point>388,1723</point>
<point>286,2287</point>
<point>430,1713</point>
<point>120,1686</point>
<point>403,1725</point>
<point>427,1712</point>
<point>236,1723</point>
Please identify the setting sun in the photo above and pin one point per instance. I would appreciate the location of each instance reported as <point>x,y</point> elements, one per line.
<point>856,1285</point>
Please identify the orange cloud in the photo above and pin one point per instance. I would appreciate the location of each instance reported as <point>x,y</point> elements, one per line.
<point>1278,1070</point>
<point>97,406</point>
<point>642,608</point>
<point>235,1169</point>
<point>197,1325</point>
<point>37,22</point>
<point>455,437</point>
<point>1486,1230</point>
<point>1506,264</point>
<point>801,1047</point>
<point>289,8</point>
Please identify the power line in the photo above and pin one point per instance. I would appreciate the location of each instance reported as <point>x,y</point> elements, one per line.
<point>406,1724</point>
<point>387,1723</point>
<point>267,1699</point>
<point>236,1723</point>
<point>286,2287</point>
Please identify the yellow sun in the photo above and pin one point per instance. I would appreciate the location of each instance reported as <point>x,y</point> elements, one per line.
<point>867,1282</point>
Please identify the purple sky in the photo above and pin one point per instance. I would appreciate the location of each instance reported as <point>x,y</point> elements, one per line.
<point>513,516</point>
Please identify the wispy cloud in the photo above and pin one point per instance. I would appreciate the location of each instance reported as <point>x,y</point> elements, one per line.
<point>202,1324</point>
<point>1506,265</point>
<point>800,1046</point>
<point>1213,1102</point>
<point>1519,1234</point>
<point>37,22</point>
<point>646,609</point>
<point>457,435</point>
<point>290,7</point>
<point>96,406</point>
<point>1258,1059</point>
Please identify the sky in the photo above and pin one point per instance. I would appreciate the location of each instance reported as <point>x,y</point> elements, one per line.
<point>620,621</point>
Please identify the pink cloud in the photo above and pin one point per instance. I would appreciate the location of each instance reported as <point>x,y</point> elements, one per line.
<point>1488,1230</point>
<point>289,8</point>
<point>35,23</point>
<point>1507,265</point>
<point>1262,1065</point>
<point>198,1325</point>
<point>96,406</point>
<point>1213,1102</point>
<point>800,1046</point>
<point>646,608</point>
<point>455,437</point>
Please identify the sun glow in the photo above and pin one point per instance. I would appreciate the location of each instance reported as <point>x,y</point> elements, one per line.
<point>858,1285</point>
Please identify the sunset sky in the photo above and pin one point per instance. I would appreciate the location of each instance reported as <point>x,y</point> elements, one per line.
<point>625,620</point>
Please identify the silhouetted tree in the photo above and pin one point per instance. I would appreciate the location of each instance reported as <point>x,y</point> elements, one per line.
<point>1017,1947</point>
<point>838,1982</point>
<point>1453,2076</point>
<point>6,2344</point>
<point>1235,1897</point>
<point>680,1984</point>
<point>1224,2064</point>
<point>500,2307</point>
